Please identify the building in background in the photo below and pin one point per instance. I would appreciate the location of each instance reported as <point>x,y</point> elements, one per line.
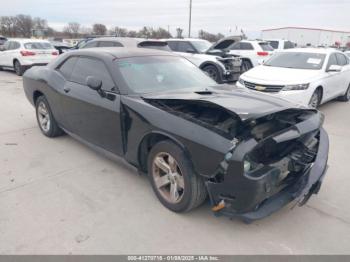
<point>308,36</point>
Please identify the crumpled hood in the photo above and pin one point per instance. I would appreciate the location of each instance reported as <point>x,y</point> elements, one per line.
<point>280,76</point>
<point>245,104</point>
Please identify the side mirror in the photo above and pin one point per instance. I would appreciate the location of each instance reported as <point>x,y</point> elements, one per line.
<point>94,83</point>
<point>334,68</point>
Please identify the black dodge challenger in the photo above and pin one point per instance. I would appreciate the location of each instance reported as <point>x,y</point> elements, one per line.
<point>252,154</point>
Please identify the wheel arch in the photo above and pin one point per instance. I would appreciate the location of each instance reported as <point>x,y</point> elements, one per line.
<point>36,95</point>
<point>151,139</point>
<point>320,87</point>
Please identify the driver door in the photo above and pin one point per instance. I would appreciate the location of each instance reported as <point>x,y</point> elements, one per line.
<point>332,80</point>
<point>94,118</point>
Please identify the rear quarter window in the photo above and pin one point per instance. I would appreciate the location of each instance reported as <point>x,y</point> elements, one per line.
<point>266,47</point>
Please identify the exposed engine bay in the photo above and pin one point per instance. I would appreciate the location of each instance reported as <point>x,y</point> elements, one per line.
<point>274,151</point>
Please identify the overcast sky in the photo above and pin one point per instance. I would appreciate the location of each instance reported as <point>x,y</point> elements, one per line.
<point>210,15</point>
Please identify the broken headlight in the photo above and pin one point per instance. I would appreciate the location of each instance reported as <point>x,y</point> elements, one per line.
<point>295,87</point>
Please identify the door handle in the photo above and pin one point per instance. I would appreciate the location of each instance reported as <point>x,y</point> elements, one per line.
<point>66,89</point>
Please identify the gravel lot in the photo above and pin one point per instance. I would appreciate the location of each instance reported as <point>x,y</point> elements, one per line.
<point>59,197</point>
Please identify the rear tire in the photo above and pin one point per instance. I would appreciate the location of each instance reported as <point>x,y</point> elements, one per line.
<point>346,96</point>
<point>46,121</point>
<point>315,99</point>
<point>19,69</point>
<point>191,190</point>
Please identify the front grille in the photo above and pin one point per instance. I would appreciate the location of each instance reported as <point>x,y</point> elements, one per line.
<point>263,88</point>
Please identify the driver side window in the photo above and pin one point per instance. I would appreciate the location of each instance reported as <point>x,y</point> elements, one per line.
<point>185,47</point>
<point>86,66</point>
<point>332,61</point>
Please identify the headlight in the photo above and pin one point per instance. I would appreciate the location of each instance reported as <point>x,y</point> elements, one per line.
<point>241,81</point>
<point>295,87</point>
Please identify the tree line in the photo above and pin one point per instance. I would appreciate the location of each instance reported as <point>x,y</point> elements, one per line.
<point>27,26</point>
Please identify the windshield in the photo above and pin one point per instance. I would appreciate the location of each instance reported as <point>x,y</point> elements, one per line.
<point>201,46</point>
<point>297,60</point>
<point>161,73</point>
<point>38,45</point>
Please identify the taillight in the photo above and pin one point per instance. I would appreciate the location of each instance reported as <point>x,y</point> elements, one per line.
<point>262,53</point>
<point>54,53</point>
<point>27,53</point>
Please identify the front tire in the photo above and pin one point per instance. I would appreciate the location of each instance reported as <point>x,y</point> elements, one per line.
<point>19,69</point>
<point>173,179</point>
<point>46,121</point>
<point>213,73</point>
<point>346,96</point>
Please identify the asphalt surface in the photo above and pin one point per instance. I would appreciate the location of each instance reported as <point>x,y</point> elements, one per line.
<point>57,196</point>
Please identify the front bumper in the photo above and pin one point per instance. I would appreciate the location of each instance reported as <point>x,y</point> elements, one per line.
<point>232,69</point>
<point>252,199</point>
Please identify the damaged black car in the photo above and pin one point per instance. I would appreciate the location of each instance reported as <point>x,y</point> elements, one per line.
<point>251,154</point>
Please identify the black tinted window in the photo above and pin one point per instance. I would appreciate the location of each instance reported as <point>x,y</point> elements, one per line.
<point>246,46</point>
<point>15,45</point>
<point>236,46</point>
<point>91,67</point>
<point>90,44</point>
<point>342,60</point>
<point>109,44</point>
<point>185,47</point>
<point>266,47</point>
<point>8,45</point>
<point>274,44</point>
<point>288,45</point>
<point>66,68</point>
<point>332,60</point>
<point>172,45</point>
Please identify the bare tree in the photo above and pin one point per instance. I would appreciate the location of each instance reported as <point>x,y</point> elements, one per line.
<point>8,26</point>
<point>132,33</point>
<point>210,37</point>
<point>23,25</point>
<point>72,29</point>
<point>118,31</point>
<point>99,29</point>
<point>39,23</point>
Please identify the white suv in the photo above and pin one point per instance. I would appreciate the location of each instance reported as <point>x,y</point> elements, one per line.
<point>20,54</point>
<point>254,51</point>
<point>221,69</point>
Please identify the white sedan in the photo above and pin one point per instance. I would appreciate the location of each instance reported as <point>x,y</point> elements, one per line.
<point>20,54</point>
<point>304,76</point>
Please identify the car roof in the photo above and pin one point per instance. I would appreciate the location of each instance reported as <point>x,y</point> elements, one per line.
<point>125,40</point>
<point>185,39</point>
<point>22,40</point>
<point>312,50</point>
<point>122,52</point>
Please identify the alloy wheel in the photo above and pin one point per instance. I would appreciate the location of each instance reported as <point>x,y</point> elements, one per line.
<point>44,117</point>
<point>168,178</point>
<point>212,73</point>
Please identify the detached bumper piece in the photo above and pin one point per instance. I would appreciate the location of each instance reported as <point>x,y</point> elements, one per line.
<point>293,177</point>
